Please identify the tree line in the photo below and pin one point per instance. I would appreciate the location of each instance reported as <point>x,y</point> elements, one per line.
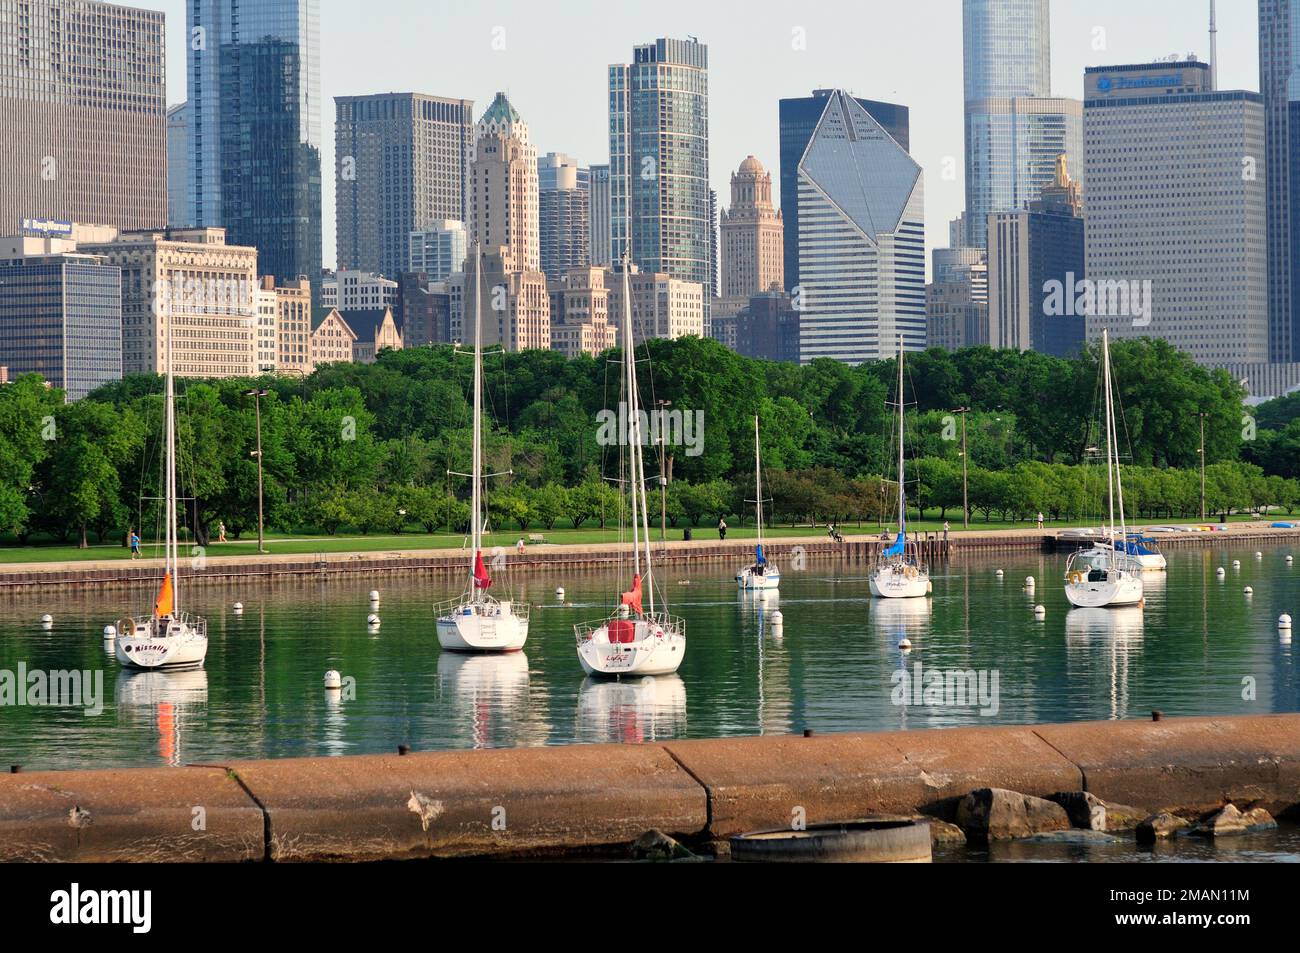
<point>375,448</point>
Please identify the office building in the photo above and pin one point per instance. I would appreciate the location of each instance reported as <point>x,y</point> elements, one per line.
<point>1176,242</point>
<point>180,201</point>
<point>293,325</point>
<point>753,235</point>
<point>662,306</point>
<point>1279,82</point>
<point>599,252</point>
<point>350,290</point>
<point>580,312</point>
<point>861,240</point>
<point>332,341</point>
<point>767,328</point>
<point>83,112</point>
<point>400,165</point>
<point>422,309</point>
<point>798,120</point>
<point>192,280</point>
<point>60,317</point>
<point>659,160</point>
<point>503,189</point>
<point>254,96</point>
<point>516,306</point>
<point>438,250</point>
<point>375,330</point>
<point>564,213</point>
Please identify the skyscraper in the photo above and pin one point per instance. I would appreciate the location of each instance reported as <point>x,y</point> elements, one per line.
<point>180,199</point>
<point>254,89</point>
<point>599,208</point>
<point>400,164</point>
<point>1175,232</point>
<point>1014,130</point>
<point>659,159</point>
<point>861,240</point>
<point>503,188</point>
<point>83,114</point>
<point>798,119</point>
<point>564,212</point>
<point>753,236</point>
<point>1279,82</point>
<point>439,249</point>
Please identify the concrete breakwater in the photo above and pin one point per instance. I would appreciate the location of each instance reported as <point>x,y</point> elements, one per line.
<point>529,801</point>
<point>548,557</point>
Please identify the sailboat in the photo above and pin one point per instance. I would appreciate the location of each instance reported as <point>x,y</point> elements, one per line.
<point>636,639</point>
<point>477,621</point>
<point>1106,575</point>
<point>762,574</point>
<point>899,572</point>
<point>166,637</point>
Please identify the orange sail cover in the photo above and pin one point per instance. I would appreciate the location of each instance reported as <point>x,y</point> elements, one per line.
<point>481,578</point>
<point>633,598</point>
<point>165,602</point>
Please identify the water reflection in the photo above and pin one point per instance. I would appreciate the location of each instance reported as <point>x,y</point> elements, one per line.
<point>652,708</point>
<point>173,701</point>
<point>488,695</point>
<point>1107,642</point>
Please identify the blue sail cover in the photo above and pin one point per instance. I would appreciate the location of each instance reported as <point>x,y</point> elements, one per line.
<point>898,548</point>
<point>758,555</point>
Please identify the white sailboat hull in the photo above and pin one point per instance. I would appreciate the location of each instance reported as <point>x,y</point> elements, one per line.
<point>655,650</point>
<point>478,631</point>
<point>1117,589</point>
<point>183,645</point>
<point>769,579</point>
<point>891,582</point>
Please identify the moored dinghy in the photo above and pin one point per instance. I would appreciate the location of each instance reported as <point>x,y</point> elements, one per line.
<point>636,639</point>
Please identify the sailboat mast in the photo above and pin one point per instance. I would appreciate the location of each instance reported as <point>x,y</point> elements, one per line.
<point>1119,479</point>
<point>171,555</point>
<point>633,425</point>
<point>758,482</point>
<point>476,491</point>
<point>1110,447</point>
<point>902,500</point>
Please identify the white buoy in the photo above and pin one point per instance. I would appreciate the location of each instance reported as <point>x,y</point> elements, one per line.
<point>1236,564</point>
<point>110,632</point>
<point>333,679</point>
<point>1290,559</point>
<point>1029,582</point>
<point>239,607</point>
<point>1039,612</point>
<point>1284,621</point>
<point>778,618</point>
<point>47,621</point>
<point>559,592</point>
<point>999,574</point>
<point>1249,591</point>
<point>905,645</point>
<point>372,620</point>
<point>1220,571</point>
<point>1259,555</point>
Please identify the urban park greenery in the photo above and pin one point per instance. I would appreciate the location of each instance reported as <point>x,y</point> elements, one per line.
<point>375,448</point>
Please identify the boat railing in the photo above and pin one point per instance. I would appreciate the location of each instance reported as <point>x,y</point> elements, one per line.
<point>488,606</point>
<point>127,626</point>
<point>584,631</point>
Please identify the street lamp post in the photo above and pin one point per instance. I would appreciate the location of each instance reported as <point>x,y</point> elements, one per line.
<point>1202,414</point>
<point>965,505</point>
<point>257,394</point>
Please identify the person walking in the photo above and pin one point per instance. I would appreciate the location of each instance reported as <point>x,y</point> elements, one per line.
<point>722,528</point>
<point>945,531</point>
<point>519,546</point>
<point>221,531</point>
<point>135,545</point>
<point>1040,521</point>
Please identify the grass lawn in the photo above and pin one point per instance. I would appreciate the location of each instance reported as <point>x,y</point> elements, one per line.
<point>11,552</point>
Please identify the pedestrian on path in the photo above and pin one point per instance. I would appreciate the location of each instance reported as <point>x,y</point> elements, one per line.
<point>519,546</point>
<point>221,531</point>
<point>945,531</point>
<point>135,545</point>
<point>722,529</point>
<point>1040,521</point>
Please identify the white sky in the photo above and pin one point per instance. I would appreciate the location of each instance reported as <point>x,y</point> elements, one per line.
<point>553,66</point>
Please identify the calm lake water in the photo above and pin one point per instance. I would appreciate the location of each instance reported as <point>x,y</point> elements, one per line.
<point>1191,651</point>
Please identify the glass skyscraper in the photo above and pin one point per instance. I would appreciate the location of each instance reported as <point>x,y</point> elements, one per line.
<point>659,159</point>
<point>798,121</point>
<point>1014,130</point>
<point>255,130</point>
<point>1279,81</point>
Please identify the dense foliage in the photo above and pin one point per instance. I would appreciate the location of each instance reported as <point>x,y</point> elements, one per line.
<point>370,447</point>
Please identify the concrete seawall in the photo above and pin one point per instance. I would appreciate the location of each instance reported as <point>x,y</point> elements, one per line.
<point>445,563</point>
<point>525,801</point>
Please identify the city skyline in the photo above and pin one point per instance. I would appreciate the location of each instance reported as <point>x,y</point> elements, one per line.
<point>568,111</point>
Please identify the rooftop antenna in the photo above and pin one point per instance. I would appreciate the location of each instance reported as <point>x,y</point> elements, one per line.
<point>1214,51</point>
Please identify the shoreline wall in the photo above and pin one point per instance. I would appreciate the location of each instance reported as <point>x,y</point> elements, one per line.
<point>547,800</point>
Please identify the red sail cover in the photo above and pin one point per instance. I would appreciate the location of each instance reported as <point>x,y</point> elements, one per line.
<point>481,578</point>
<point>633,598</point>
